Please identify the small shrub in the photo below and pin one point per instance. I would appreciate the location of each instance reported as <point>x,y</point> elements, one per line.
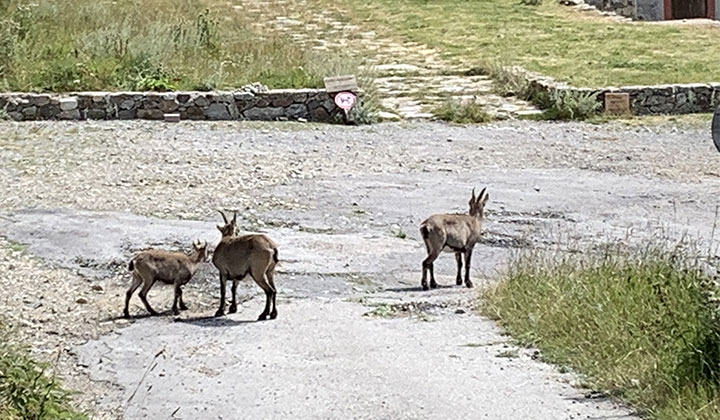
<point>531,2</point>
<point>562,104</point>
<point>462,113</point>
<point>507,80</point>
<point>27,391</point>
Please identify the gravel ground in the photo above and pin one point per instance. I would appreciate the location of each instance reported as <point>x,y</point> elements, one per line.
<point>190,169</point>
<point>344,204</point>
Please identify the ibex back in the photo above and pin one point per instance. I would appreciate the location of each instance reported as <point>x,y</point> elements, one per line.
<point>456,233</point>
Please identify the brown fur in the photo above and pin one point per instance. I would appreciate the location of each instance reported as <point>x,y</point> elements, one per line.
<point>173,268</point>
<point>456,233</point>
<point>237,256</point>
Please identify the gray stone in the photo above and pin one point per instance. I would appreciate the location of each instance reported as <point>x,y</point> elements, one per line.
<point>17,116</point>
<point>243,96</point>
<point>319,114</point>
<point>217,111</point>
<point>99,97</point>
<point>69,114</point>
<point>96,114</point>
<point>68,104</point>
<point>40,100</point>
<point>201,101</point>
<point>168,105</point>
<point>150,114</point>
<point>193,113</point>
<point>282,100</point>
<point>126,114</point>
<point>127,104</point>
<point>183,97</point>
<point>264,114</point>
<point>296,111</point>
<point>29,112</point>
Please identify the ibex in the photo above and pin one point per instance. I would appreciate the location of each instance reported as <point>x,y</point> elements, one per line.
<point>173,268</point>
<point>237,256</point>
<point>456,233</point>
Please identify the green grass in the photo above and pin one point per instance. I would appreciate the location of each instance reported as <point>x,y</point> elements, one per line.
<point>551,39</point>
<point>75,45</point>
<point>462,113</point>
<point>639,325</point>
<point>27,391</point>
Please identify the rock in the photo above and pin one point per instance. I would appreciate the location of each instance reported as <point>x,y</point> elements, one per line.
<point>73,114</point>
<point>40,100</point>
<point>68,104</point>
<point>201,101</point>
<point>296,111</point>
<point>459,311</point>
<point>150,114</point>
<point>96,114</point>
<point>127,104</point>
<point>267,113</point>
<point>388,116</point>
<point>81,300</point>
<point>217,111</point>
<point>97,288</point>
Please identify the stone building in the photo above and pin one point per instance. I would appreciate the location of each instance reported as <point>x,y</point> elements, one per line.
<point>661,9</point>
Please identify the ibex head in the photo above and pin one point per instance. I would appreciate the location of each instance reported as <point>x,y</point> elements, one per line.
<point>201,248</point>
<point>229,228</point>
<point>477,205</point>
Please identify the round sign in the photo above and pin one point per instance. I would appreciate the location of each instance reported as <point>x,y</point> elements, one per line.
<point>345,100</point>
<point>716,128</point>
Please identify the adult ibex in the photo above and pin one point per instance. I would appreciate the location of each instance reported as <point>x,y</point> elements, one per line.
<point>456,233</point>
<point>237,256</point>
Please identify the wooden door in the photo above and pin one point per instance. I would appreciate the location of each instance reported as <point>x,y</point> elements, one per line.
<point>689,9</point>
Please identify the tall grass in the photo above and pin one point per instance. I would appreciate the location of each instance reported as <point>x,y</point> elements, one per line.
<point>66,45</point>
<point>27,392</point>
<point>642,325</point>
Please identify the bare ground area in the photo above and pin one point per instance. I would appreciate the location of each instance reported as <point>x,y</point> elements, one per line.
<point>355,336</point>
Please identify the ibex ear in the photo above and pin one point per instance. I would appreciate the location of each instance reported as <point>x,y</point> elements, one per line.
<point>472,198</point>
<point>220,228</point>
<point>234,220</point>
<point>223,216</point>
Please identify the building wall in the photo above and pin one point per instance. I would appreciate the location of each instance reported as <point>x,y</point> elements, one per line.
<point>650,10</point>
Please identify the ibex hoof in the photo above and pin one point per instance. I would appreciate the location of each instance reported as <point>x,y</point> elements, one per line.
<point>175,311</point>
<point>273,314</point>
<point>232,309</point>
<point>183,308</point>
<point>425,286</point>
<point>459,282</point>
<point>219,312</point>
<point>262,317</point>
<point>469,284</point>
<point>433,285</point>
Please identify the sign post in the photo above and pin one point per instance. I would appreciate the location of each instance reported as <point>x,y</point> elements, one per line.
<point>716,128</point>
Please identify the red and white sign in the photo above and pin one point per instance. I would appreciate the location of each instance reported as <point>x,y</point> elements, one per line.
<point>345,100</point>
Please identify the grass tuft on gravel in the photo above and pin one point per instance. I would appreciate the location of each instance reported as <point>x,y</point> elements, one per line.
<point>641,325</point>
<point>27,390</point>
<point>75,45</point>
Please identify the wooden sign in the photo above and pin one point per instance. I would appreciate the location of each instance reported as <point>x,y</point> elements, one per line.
<point>346,83</point>
<point>617,103</point>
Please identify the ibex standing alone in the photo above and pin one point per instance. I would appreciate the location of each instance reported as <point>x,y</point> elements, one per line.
<point>456,233</point>
<point>237,256</point>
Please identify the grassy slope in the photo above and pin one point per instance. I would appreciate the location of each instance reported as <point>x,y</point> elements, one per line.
<point>639,326</point>
<point>66,45</point>
<point>554,40</point>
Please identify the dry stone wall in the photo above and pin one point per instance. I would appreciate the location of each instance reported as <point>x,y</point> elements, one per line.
<point>301,104</point>
<point>644,100</point>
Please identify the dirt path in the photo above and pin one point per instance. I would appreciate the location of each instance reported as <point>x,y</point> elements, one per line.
<point>355,336</point>
<point>411,79</point>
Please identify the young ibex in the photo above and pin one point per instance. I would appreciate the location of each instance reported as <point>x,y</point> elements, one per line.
<point>456,233</point>
<point>237,256</point>
<point>173,268</point>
